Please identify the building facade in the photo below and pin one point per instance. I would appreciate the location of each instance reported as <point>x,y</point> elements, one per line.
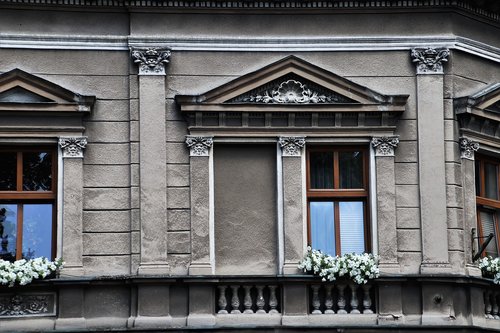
<point>180,156</point>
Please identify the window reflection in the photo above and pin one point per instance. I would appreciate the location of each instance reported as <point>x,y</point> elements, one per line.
<point>37,231</point>
<point>8,171</point>
<point>322,227</point>
<point>8,232</point>
<point>351,169</point>
<point>37,171</point>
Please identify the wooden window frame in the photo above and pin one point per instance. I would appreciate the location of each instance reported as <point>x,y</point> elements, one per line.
<point>20,197</point>
<point>486,204</point>
<point>336,194</point>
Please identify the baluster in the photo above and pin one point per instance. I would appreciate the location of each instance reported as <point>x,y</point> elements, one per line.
<point>261,302</point>
<point>341,301</point>
<point>495,310</point>
<point>235,300</point>
<point>367,300</point>
<point>487,305</point>
<point>222,300</point>
<point>315,300</point>
<point>247,302</point>
<point>354,298</point>
<point>329,299</point>
<point>273,301</point>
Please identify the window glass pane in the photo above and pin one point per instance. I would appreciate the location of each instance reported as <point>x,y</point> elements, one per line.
<point>488,226</point>
<point>491,181</point>
<point>37,171</point>
<point>322,227</point>
<point>321,169</point>
<point>8,171</point>
<point>352,232</point>
<point>8,232</point>
<point>37,231</point>
<point>351,169</point>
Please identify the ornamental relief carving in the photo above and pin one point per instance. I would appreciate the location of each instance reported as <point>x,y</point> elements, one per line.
<point>291,145</point>
<point>385,146</point>
<point>151,61</point>
<point>199,145</point>
<point>26,305</point>
<point>429,60</point>
<point>73,146</point>
<point>467,148</point>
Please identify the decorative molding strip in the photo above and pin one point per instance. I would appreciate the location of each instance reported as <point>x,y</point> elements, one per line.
<point>294,92</point>
<point>430,60</point>
<point>467,148</point>
<point>385,146</point>
<point>199,145</point>
<point>291,145</point>
<point>73,146</point>
<point>27,305</point>
<point>151,61</point>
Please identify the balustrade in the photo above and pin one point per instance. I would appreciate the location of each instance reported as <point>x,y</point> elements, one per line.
<point>248,299</point>
<point>342,298</point>
<point>492,304</point>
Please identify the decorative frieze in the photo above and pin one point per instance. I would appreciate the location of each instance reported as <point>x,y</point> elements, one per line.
<point>199,145</point>
<point>27,305</point>
<point>151,61</point>
<point>384,146</point>
<point>429,60</point>
<point>73,146</point>
<point>467,148</point>
<point>291,145</point>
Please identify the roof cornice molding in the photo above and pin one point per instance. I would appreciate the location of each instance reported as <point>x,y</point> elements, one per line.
<point>489,9</point>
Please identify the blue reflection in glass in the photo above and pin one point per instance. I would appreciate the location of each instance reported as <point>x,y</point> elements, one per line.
<point>37,231</point>
<point>8,232</point>
<point>322,227</point>
<point>352,232</point>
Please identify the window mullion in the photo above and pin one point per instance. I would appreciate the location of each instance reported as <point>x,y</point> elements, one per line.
<point>336,171</point>
<point>19,178</point>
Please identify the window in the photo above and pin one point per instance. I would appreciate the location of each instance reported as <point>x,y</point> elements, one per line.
<point>27,203</point>
<point>337,198</point>
<point>488,202</point>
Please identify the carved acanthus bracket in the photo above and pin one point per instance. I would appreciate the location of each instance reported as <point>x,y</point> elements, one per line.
<point>151,61</point>
<point>429,60</point>
<point>26,305</point>
<point>73,146</point>
<point>199,145</point>
<point>467,148</point>
<point>291,145</point>
<point>384,146</point>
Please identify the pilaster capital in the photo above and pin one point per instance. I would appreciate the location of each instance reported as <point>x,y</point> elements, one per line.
<point>199,145</point>
<point>151,61</point>
<point>430,60</point>
<point>385,145</point>
<point>291,145</point>
<point>467,148</point>
<point>73,147</point>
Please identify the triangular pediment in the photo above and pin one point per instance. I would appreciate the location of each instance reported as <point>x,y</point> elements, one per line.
<point>292,84</point>
<point>21,91</point>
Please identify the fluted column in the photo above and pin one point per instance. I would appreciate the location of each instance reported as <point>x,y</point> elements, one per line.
<point>386,203</point>
<point>431,155</point>
<point>72,197</point>
<point>201,224</point>
<point>153,160</point>
<point>293,210</point>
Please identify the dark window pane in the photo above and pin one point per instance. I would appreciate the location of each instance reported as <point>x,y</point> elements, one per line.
<point>37,231</point>
<point>491,181</point>
<point>8,171</point>
<point>352,227</point>
<point>351,169</point>
<point>321,170</point>
<point>322,227</point>
<point>488,226</point>
<point>8,232</point>
<point>37,171</point>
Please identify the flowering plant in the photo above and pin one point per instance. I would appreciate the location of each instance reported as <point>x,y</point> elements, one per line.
<point>490,268</point>
<point>24,271</point>
<point>358,267</point>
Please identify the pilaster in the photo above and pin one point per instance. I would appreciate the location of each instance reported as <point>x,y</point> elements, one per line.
<point>386,203</point>
<point>201,209</point>
<point>431,155</point>
<point>72,199</point>
<point>152,159</point>
<point>293,218</point>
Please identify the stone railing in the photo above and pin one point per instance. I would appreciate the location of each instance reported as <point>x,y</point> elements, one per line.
<point>342,298</point>
<point>492,302</point>
<point>248,299</point>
